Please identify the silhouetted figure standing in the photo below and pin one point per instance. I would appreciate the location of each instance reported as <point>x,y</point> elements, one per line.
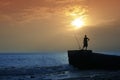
<point>85,42</point>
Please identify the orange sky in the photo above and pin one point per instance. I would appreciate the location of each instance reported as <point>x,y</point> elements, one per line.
<point>43,25</point>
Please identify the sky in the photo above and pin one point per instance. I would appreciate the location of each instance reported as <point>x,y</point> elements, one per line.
<point>45,25</point>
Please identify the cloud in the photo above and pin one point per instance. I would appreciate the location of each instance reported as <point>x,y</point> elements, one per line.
<point>26,10</point>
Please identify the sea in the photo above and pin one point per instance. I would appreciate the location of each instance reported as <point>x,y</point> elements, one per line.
<point>48,66</point>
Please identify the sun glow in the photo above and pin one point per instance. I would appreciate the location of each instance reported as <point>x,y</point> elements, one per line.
<point>78,17</point>
<point>78,23</point>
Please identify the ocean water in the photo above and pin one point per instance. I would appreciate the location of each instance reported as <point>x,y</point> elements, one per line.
<point>47,66</point>
<point>33,59</point>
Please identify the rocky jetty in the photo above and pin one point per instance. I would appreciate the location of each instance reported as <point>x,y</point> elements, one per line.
<point>86,59</point>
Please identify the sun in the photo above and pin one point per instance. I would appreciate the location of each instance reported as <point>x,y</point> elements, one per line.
<point>78,22</point>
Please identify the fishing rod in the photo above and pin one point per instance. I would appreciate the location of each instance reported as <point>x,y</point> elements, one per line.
<point>77,40</point>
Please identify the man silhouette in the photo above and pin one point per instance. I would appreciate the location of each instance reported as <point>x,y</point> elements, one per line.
<point>85,42</point>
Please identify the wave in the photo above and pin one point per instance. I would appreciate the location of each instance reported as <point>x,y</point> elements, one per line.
<point>63,72</point>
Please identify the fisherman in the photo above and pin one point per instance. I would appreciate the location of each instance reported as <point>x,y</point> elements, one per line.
<point>85,42</point>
